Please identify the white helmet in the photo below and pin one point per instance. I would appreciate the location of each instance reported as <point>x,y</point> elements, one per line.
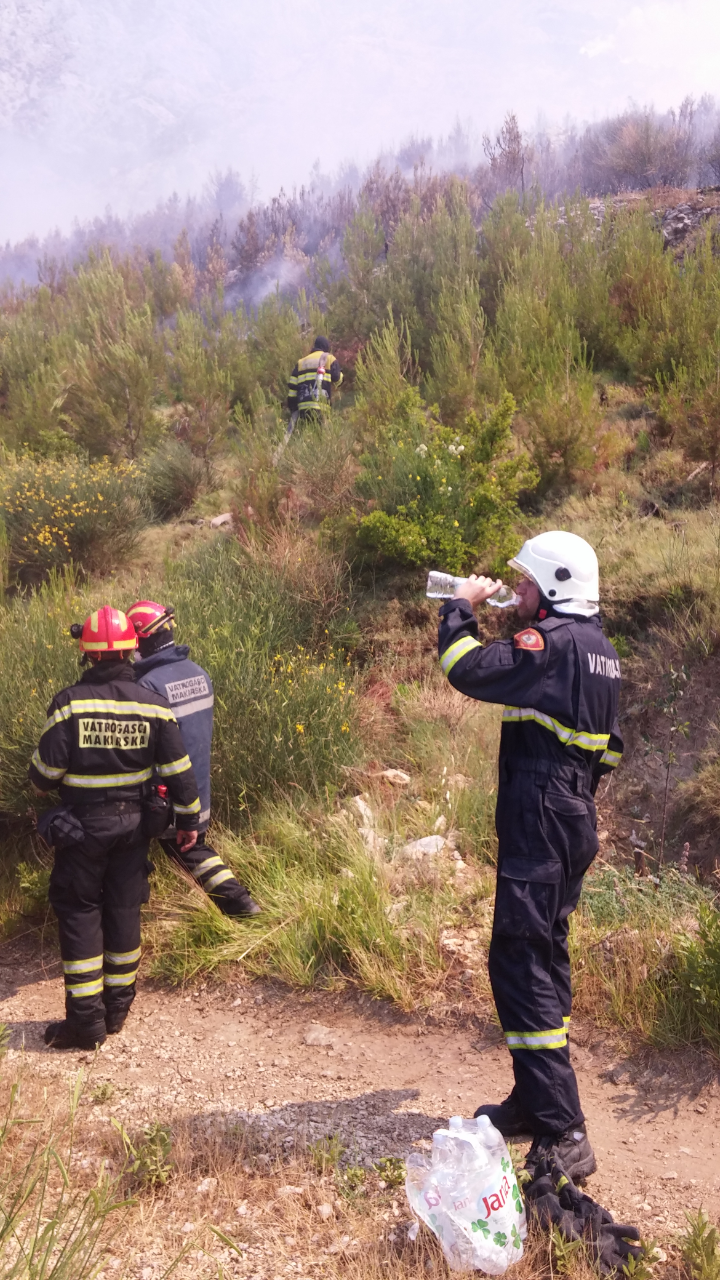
<point>564,568</point>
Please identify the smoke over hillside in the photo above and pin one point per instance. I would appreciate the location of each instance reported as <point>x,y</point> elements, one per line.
<point>255,247</point>
<point>119,103</point>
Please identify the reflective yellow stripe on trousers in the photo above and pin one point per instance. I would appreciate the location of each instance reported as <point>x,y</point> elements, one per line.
<point>82,966</point>
<point>555,1038</point>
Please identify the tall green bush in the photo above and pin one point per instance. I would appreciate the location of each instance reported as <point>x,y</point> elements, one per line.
<point>269,624</point>
<point>107,400</point>
<point>353,292</point>
<point>505,238</point>
<point>203,384</point>
<point>172,478</point>
<point>455,351</point>
<point>442,495</point>
<point>700,975</point>
<point>689,403</point>
<point>385,373</point>
<point>564,420</point>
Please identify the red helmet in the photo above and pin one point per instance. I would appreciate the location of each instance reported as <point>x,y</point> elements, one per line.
<point>106,632</point>
<point>147,617</point>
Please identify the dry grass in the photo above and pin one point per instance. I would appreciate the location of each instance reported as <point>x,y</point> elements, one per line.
<point>320,468</point>
<point>234,1205</point>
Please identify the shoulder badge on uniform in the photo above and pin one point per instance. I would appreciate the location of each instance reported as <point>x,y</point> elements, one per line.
<point>530,639</point>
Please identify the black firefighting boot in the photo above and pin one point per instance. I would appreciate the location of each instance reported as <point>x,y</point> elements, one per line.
<point>115,1020</point>
<point>240,904</point>
<point>118,1002</point>
<point>571,1149</point>
<point>67,1035</point>
<point>508,1117</point>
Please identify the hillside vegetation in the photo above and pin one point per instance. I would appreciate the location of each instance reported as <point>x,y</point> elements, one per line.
<point>558,367</point>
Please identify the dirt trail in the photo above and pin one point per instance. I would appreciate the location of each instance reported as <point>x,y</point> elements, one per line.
<point>381,1082</point>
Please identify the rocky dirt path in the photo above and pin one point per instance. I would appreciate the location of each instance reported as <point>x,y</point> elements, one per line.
<point>309,1066</point>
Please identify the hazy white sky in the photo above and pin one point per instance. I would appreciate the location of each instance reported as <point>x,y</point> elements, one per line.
<point>119,102</point>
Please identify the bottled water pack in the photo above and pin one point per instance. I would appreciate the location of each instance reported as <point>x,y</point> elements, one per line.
<point>443,586</point>
<point>468,1195</point>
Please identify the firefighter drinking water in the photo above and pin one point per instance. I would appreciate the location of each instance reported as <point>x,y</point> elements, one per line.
<point>559,681</point>
<point>167,668</point>
<point>104,741</point>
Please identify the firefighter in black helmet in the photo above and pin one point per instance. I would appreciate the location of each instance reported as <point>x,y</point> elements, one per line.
<point>311,381</point>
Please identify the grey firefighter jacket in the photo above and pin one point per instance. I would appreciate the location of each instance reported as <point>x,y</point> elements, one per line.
<point>172,673</point>
<point>106,737</point>
<point>559,681</point>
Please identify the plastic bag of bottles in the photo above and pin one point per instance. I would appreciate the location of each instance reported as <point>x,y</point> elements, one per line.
<point>468,1195</point>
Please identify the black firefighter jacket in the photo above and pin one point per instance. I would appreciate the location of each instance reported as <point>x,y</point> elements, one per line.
<point>559,681</point>
<point>106,737</point>
<point>302,380</point>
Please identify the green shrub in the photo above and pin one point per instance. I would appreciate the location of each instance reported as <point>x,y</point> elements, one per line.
<point>58,512</point>
<point>701,1248</point>
<point>34,883</point>
<point>384,377</point>
<point>353,293</point>
<point>443,496</point>
<point>319,463</point>
<point>201,373</point>
<point>172,479</point>
<point>700,975</point>
<point>635,963</point>
<point>148,1157</point>
<point>269,622</point>
<point>431,248</point>
<point>565,422</point>
<point>456,350</point>
<point>433,251</point>
<point>108,378</point>
<point>505,238</point>
<point>689,404</point>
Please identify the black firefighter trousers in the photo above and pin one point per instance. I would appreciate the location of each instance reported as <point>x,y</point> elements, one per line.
<point>546,825</point>
<point>96,890</point>
<point>212,874</point>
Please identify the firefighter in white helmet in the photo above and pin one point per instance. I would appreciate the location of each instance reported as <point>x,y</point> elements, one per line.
<point>559,680</point>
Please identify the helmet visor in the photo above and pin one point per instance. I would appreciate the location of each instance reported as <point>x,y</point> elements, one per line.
<point>517,564</point>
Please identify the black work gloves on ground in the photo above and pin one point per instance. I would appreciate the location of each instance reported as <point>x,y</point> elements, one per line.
<point>555,1201</point>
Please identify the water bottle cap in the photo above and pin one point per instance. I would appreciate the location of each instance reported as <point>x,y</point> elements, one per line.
<point>484,1122</point>
<point>455,1122</point>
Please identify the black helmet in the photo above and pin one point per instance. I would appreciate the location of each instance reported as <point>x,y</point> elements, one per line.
<point>321,344</point>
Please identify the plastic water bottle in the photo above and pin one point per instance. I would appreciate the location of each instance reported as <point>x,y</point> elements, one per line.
<point>443,586</point>
<point>489,1135</point>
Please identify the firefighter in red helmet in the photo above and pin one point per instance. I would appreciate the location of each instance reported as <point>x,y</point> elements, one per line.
<point>112,749</point>
<point>168,668</point>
